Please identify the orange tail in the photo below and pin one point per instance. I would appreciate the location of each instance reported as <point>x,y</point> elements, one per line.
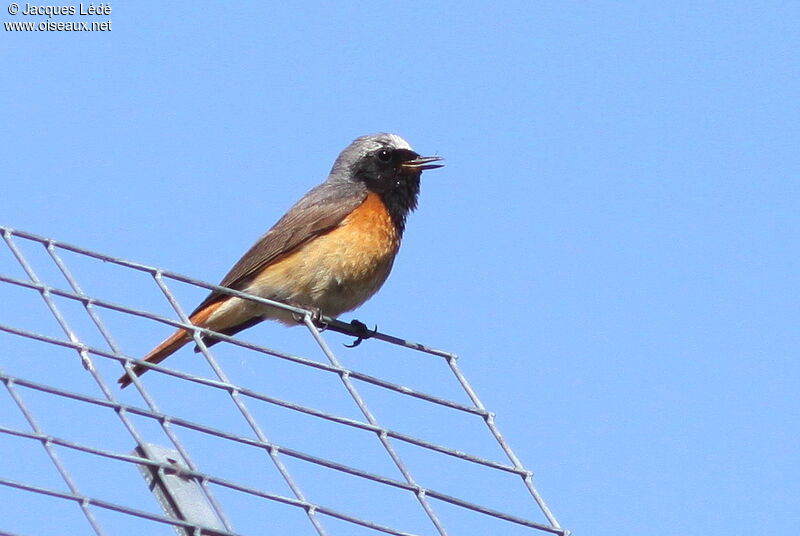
<point>171,344</point>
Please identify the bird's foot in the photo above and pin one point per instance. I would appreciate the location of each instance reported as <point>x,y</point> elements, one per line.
<point>361,332</point>
<point>316,317</point>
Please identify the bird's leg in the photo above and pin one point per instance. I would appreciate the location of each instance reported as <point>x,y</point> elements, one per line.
<point>361,332</point>
<point>316,317</point>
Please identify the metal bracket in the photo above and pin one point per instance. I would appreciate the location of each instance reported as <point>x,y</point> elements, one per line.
<point>181,497</point>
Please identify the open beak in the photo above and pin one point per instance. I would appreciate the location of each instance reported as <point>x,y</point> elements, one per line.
<point>422,163</point>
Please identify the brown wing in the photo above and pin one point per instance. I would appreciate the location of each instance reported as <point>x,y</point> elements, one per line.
<point>319,211</point>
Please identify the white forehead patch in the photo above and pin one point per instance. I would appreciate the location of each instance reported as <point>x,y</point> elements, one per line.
<point>398,142</point>
<point>376,141</point>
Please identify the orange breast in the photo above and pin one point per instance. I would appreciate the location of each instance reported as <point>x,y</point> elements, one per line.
<point>339,270</point>
<point>367,233</point>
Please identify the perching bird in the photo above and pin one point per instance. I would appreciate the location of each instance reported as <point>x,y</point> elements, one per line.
<point>330,253</point>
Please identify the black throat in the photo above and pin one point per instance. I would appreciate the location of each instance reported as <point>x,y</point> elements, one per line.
<point>401,198</point>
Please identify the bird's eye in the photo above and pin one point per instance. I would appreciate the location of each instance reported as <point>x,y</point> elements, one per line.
<point>384,155</point>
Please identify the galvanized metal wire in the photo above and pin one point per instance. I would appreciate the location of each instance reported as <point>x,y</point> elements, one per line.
<point>141,420</point>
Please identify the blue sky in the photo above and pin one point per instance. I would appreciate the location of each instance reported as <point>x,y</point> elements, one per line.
<point>612,248</point>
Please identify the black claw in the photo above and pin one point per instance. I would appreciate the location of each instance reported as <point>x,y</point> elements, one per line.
<point>363,332</point>
<point>354,344</point>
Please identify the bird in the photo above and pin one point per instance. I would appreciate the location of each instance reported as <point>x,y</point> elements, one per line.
<point>331,252</point>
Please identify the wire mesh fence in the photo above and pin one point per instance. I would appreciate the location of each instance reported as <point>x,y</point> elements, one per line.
<point>276,442</point>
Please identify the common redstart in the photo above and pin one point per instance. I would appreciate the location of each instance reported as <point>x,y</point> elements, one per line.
<point>329,254</point>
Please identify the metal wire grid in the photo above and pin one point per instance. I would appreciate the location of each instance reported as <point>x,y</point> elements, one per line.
<point>130,416</point>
